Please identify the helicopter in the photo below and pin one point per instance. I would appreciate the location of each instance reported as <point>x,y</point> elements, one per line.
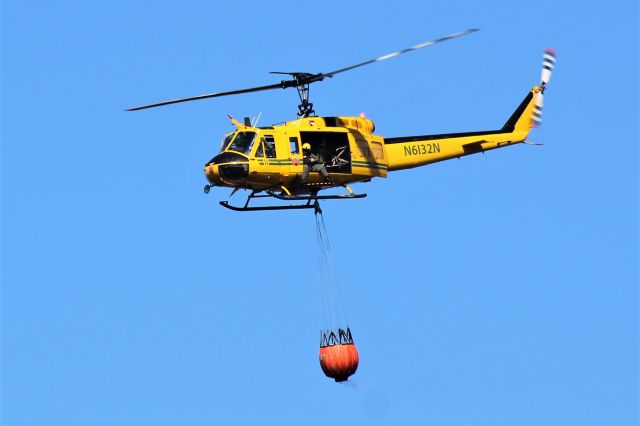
<point>273,161</point>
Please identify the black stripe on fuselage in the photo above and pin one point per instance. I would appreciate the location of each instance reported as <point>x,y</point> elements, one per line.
<point>508,127</point>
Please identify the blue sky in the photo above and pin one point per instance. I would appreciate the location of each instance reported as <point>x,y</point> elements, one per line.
<point>500,289</point>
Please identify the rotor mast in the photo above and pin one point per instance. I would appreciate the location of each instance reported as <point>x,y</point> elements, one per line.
<point>301,81</point>
<point>305,108</point>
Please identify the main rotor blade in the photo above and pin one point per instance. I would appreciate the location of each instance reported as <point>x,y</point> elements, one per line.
<point>301,79</point>
<point>280,85</point>
<point>394,54</point>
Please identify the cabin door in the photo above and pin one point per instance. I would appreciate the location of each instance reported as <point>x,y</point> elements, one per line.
<point>295,156</point>
<point>270,166</point>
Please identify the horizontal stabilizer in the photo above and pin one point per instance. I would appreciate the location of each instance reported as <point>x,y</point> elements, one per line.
<point>473,147</point>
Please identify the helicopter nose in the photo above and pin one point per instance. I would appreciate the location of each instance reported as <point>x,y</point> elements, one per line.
<point>229,174</point>
<point>227,168</point>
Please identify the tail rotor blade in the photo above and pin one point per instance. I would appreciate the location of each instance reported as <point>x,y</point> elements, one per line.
<point>548,61</point>
<point>537,109</point>
<point>539,100</point>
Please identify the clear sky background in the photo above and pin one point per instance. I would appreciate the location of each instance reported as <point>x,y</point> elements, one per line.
<point>500,289</point>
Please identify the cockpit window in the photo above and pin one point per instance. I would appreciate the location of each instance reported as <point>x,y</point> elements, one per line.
<point>226,141</point>
<point>242,142</point>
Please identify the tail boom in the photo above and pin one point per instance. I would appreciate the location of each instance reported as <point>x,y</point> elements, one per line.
<point>414,151</point>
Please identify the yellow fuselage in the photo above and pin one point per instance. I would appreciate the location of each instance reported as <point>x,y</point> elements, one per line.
<point>261,158</point>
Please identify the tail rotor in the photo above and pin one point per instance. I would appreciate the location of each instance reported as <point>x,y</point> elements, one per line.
<point>548,62</point>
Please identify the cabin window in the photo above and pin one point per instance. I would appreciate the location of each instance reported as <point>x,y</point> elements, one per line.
<point>293,144</point>
<point>269,146</point>
<point>260,151</point>
<point>378,151</point>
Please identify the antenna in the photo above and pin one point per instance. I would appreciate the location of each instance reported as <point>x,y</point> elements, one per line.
<point>254,122</point>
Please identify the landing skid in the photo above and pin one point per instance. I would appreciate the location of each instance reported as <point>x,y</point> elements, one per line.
<point>311,201</point>
<point>246,208</point>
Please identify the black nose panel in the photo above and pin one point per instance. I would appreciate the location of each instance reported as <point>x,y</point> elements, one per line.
<point>234,172</point>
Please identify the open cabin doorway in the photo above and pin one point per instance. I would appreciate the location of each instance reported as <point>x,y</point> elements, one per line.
<point>332,148</point>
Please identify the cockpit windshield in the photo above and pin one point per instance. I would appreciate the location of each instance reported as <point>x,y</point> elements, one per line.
<point>226,141</point>
<point>242,142</point>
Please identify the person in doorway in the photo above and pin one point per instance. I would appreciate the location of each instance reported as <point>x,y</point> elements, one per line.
<point>314,163</point>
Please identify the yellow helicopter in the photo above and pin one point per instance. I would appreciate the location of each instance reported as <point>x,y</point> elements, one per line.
<point>295,160</point>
